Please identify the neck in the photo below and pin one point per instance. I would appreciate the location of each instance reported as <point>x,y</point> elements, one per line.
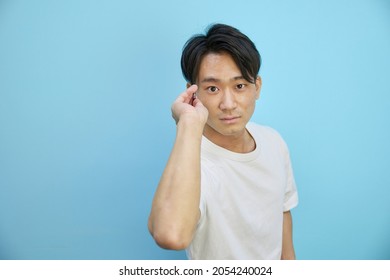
<point>241,143</point>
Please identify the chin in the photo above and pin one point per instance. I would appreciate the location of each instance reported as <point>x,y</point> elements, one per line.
<point>228,130</point>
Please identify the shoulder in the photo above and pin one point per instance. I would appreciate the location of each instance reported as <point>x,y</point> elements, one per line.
<point>263,131</point>
<point>267,137</point>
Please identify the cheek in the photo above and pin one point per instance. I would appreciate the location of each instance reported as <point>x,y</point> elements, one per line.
<point>248,101</point>
<point>207,102</point>
<point>248,109</point>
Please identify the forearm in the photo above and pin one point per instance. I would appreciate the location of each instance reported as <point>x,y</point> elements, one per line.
<point>175,209</point>
<point>288,252</point>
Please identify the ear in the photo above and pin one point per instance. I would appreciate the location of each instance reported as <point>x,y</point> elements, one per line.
<point>258,84</point>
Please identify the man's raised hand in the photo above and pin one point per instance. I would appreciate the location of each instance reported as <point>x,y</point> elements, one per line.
<point>187,108</point>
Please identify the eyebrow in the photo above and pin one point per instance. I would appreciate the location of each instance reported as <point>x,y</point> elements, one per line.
<point>215,80</point>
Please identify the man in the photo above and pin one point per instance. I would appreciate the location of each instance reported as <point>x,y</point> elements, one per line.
<point>228,187</point>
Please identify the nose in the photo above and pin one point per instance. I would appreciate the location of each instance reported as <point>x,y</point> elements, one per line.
<point>228,101</point>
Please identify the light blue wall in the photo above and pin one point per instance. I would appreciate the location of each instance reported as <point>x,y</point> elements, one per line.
<point>85,126</point>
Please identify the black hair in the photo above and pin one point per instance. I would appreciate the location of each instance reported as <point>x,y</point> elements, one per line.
<point>221,38</point>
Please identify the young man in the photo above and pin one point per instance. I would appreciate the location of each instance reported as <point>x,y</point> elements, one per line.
<point>228,187</point>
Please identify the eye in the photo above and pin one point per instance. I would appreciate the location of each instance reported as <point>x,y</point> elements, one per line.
<point>240,86</point>
<point>212,89</point>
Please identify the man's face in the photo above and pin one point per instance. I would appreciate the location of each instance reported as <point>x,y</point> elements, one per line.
<point>229,98</point>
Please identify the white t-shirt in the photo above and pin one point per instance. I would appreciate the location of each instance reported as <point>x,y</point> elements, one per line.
<point>243,197</point>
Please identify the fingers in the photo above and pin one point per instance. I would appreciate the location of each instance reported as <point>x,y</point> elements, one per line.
<point>192,89</point>
<point>187,95</point>
<point>189,105</point>
<point>197,103</point>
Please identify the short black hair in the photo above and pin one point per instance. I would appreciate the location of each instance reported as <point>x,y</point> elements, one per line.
<point>221,38</point>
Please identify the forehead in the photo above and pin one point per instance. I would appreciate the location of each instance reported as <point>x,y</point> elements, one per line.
<point>218,66</point>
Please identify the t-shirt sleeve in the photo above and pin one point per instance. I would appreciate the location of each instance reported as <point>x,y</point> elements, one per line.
<point>291,194</point>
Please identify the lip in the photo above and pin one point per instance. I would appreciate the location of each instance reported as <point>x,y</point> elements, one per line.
<point>229,119</point>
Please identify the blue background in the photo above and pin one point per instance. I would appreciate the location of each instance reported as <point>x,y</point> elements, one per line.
<point>86,128</point>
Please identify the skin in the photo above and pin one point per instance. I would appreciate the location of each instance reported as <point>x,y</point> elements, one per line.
<point>175,209</point>
<point>224,105</point>
<point>230,100</point>
<point>288,252</point>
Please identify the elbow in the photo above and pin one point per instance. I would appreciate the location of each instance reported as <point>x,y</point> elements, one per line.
<point>171,242</point>
<point>170,239</point>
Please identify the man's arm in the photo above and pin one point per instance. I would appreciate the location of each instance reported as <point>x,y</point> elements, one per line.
<point>175,209</point>
<point>288,252</point>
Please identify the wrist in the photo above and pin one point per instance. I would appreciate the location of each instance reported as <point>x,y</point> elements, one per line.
<point>190,125</point>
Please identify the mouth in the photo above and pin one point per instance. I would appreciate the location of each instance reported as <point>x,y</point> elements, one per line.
<point>230,119</point>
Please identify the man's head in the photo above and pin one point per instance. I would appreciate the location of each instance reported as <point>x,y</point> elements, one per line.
<point>218,39</point>
<point>224,64</point>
